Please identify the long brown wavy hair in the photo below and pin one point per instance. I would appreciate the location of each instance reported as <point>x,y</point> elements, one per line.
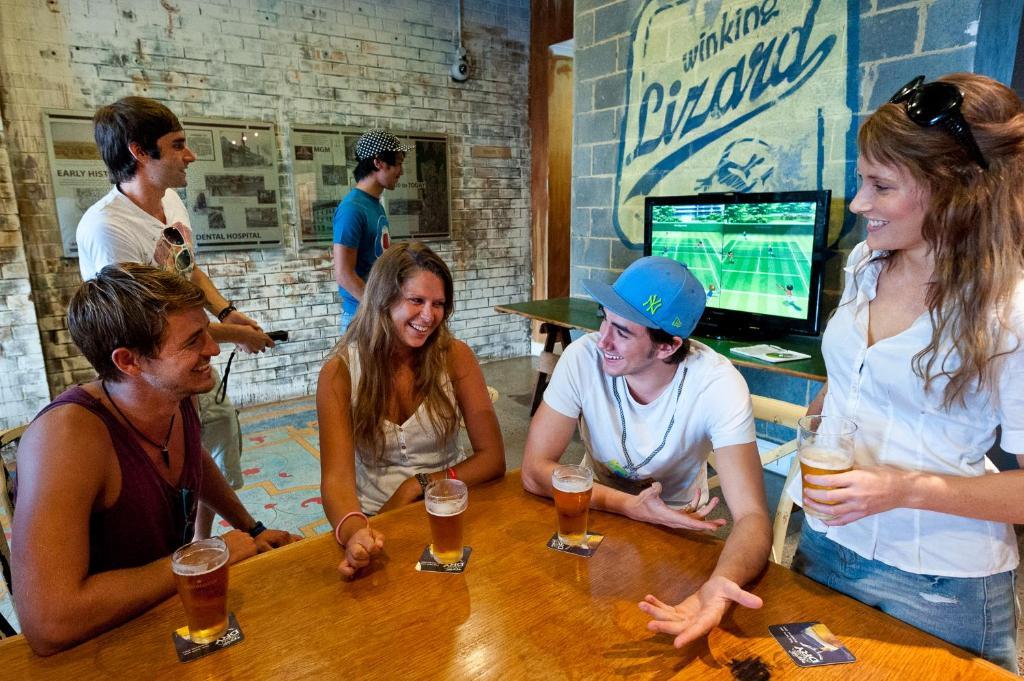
<point>373,333</point>
<point>974,223</point>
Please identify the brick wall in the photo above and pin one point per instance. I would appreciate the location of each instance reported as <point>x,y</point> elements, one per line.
<point>381,63</point>
<point>894,41</point>
<point>891,41</point>
<point>22,373</point>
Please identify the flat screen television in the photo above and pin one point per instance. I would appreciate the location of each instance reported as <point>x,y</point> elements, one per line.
<point>759,256</point>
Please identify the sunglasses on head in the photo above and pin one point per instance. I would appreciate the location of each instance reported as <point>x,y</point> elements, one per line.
<point>938,103</point>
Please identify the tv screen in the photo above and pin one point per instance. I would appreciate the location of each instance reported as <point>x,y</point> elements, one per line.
<point>759,256</point>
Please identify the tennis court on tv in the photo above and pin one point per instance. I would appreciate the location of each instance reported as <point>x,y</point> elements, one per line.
<point>747,258</point>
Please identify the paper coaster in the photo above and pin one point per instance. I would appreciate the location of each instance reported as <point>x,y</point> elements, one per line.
<point>593,541</point>
<point>428,564</point>
<point>811,644</point>
<point>188,651</point>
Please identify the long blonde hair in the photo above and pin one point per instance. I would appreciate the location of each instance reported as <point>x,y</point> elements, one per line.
<point>373,334</point>
<point>974,224</point>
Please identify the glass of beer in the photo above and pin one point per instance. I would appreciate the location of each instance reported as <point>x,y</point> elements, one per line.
<point>445,501</point>
<point>573,486</point>
<point>201,572</point>
<point>825,447</point>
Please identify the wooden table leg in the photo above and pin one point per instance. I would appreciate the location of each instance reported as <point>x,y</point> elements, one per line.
<point>548,359</point>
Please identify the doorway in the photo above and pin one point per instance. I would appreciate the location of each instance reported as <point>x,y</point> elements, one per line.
<point>550,116</point>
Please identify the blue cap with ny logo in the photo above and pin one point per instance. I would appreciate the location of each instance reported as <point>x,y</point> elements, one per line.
<point>655,292</point>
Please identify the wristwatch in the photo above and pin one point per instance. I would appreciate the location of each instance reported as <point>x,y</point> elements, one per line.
<point>424,480</point>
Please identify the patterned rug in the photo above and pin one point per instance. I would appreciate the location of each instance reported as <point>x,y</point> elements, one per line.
<point>281,467</point>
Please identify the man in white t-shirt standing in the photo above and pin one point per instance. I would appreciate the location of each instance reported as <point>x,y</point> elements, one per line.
<point>651,405</point>
<point>142,219</point>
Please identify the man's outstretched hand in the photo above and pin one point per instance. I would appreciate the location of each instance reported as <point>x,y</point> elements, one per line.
<point>700,612</point>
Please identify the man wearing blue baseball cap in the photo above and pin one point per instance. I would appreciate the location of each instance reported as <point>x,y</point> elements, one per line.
<point>652,404</point>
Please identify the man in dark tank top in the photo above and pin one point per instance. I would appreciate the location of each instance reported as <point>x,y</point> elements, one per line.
<point>111,472</point>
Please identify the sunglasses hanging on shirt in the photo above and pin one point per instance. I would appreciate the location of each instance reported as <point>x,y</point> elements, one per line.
<point>938,104</point>
<point>189,506</point>
<point>182,255</point>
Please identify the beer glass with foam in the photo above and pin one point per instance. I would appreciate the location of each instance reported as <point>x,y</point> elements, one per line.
<point>572,487</point>
<point>201,572</point>
<point>445,501</point>
<point>825,447</point>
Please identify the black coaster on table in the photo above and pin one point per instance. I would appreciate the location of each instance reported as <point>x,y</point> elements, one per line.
<point>428,564</point>
<point>188,651</point>
<point>593,541</point>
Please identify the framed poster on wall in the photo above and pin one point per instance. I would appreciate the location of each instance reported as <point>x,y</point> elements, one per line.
<point>420,206</point>
<point>78,173</point>
<point>232,195</point>
<point>321,176</point>
<point>324,160</point>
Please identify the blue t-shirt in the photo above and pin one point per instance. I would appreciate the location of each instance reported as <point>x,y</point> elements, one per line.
<point>360,223</point>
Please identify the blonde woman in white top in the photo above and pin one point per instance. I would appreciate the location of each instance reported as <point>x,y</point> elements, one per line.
<point>389,400</point>
<point>926,354</point>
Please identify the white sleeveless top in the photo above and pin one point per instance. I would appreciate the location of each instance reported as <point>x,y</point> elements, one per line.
<point>409,448</point>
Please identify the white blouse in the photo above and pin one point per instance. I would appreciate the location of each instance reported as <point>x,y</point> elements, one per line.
<point>901,425</point>
<point>409,448</point>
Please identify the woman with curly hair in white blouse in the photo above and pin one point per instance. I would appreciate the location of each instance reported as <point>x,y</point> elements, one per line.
<point>926,354</point>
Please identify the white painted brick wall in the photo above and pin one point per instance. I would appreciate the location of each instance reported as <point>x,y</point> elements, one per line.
<point>367,64</point>
<point>23,388</point>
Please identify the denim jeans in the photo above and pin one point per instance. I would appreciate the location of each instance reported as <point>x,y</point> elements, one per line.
<point>978,614</point>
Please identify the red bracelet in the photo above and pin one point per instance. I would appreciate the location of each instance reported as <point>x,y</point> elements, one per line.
<point>450,474</point>
<point>337,530</point>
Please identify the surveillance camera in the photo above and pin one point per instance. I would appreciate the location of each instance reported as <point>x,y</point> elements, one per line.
<point>460,66</point>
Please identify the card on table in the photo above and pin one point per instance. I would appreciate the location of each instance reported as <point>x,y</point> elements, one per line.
<point>428,564</point>
<point>811,644</point>
<point>593,541</point>
<point>188,651</point>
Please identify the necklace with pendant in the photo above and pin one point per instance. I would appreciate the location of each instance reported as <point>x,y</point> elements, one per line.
<point>162,447</point>
<point>633,468</point>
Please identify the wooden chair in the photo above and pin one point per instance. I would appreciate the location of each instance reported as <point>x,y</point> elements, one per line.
<point>8,448</point>
<point>783,414</point>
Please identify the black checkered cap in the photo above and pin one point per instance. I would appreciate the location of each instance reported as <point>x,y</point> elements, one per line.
<point>373,142</point>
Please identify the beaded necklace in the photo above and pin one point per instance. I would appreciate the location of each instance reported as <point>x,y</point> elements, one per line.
<point>633,468</point>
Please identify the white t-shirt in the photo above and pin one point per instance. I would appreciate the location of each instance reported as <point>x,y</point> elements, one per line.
<point>900,425</point>
<point>115,230</point>
<point>705,407</point>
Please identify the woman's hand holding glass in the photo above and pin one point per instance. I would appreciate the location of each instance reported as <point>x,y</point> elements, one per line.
<point>858,493</point>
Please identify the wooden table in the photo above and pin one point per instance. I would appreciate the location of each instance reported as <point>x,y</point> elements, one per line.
<point>558,315</point>
<point>521,610</point>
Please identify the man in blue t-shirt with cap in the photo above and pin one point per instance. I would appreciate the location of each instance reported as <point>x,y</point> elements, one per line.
<point>360,224</point>
<point>651,405</point>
